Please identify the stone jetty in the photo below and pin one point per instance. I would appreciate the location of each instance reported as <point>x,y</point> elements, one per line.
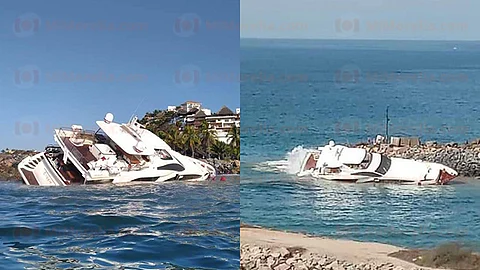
<point>464,158</point>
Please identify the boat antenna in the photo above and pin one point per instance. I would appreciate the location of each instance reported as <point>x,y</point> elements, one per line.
<point>386,124</point>
<point>136,109</point>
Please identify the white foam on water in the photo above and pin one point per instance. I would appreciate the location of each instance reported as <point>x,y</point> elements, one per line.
<point>290,165</point>
<point>295,159</point>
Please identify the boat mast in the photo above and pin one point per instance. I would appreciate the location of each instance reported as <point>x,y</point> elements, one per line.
<point>386,124</point>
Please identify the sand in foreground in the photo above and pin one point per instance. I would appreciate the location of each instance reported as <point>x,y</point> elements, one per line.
<point>267,249</point>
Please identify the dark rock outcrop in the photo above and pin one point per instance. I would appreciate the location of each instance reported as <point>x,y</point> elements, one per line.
<point>9,160</point>
<point>225,166</point>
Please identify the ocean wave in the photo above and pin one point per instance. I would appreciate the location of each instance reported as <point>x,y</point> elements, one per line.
<point>176,225</point>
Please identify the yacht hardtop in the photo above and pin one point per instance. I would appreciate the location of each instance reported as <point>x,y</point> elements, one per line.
<point>115,153</point>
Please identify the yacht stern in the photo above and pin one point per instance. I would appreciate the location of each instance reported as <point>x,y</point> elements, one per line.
<point>38,171</point>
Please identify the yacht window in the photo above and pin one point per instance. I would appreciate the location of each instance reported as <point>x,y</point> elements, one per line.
<point>163,154</point>
<point>370,174</point>
<point>366,161</point>
<point>332,170</point>
<point>385,163</point>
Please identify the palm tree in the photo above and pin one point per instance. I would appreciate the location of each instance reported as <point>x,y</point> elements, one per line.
<point>192,140</point>
<point>220,148</point>
<point>177,138</point>
<point>207,137</point>
<point>172,137</point>
<point>234,138</point>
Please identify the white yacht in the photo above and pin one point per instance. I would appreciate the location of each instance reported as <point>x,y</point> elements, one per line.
<point>341,163</point>
<point>115,153</point>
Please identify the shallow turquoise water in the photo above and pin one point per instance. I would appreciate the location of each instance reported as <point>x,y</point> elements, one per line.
<point>282,117</point>
<point>165,226</point>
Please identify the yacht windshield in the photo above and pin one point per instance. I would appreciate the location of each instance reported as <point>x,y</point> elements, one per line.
<point>385,163</point>
<point>164,154</point>
<point>366,161</point>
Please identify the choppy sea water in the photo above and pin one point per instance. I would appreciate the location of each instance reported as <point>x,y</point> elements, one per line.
<point>317,91</point>
<point>159,226</point>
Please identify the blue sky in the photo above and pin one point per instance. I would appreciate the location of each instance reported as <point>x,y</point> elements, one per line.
<point>70,62</point>
<point>361,19</point>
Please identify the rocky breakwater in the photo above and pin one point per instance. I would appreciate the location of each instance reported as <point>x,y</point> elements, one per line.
<point>225,166</point>
<point>9,160</point>
<point>283,258</point>
<point>464,158</point>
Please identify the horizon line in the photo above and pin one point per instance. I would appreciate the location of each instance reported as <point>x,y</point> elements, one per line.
<point>359,39</point>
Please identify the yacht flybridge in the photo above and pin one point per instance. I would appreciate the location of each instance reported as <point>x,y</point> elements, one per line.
<point>336,162</point>
<point>115,153</point>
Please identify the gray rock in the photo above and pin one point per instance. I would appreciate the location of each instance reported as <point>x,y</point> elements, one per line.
<point>282,266</point>
<point>291,261</point>
<point>275,255</point>
<point>300,266</point>
<point>270,261</point>
<point>335,265</point>
<point>322,261</point>
<point>283,252</point>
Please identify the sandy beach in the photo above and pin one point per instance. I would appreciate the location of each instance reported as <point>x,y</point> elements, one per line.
<point>268,249</point>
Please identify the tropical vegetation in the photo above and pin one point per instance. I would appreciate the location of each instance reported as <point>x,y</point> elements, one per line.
<point>198,142</point>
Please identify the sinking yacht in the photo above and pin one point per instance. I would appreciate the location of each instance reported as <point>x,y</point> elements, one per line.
<point>115,153</point>
<point>341,163</point>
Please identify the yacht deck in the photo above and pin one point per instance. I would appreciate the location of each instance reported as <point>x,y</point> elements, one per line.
<point>85,155</point>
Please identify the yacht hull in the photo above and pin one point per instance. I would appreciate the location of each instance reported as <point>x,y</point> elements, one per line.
<point>115,153</point>
<point>38,171</point>
<point>326,163</point>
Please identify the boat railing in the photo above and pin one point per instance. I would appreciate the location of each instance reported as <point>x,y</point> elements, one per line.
<point>85,133</point>
<point>77,155</point>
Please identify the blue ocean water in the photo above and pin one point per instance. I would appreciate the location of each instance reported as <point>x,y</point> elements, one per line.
<point>301,94</point>
<point>165,226</point>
